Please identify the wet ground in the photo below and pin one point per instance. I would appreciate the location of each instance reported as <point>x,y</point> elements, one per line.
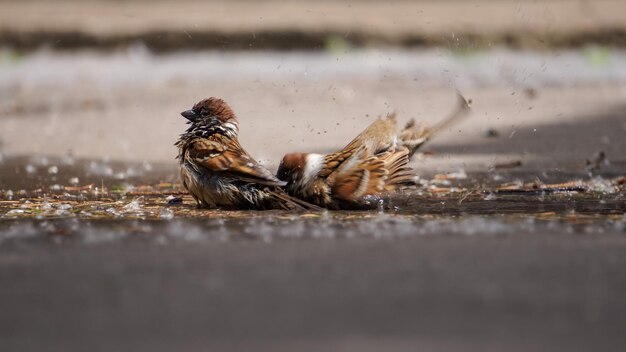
<point>349,282</point>
<point>514,240</point>
<point>106,256</point>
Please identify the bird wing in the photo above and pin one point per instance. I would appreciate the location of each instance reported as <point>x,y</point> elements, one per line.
<point>335,161</point>
<point>366,177</point>
<point>413,136</point>
<point>377,137</point>
<point>221,154</point>
<point>400,174</point>
<point>385,172</point>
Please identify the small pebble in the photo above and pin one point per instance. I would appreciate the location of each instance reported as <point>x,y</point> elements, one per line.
<point>171,200</point>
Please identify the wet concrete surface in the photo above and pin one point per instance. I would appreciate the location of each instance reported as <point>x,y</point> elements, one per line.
<point>467,262</point>
<point>515,285</point>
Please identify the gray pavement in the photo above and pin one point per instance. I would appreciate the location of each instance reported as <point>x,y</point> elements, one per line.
<point>505,288</point>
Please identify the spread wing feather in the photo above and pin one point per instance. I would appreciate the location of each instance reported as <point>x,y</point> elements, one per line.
<point>366,177</point>
<point>413,136</point>
<point>379,136</point>
<point>388,171</point>
<point>400,174</point>
<point>332,162</point>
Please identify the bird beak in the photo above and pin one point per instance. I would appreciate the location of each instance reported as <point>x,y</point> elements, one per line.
<point>190,115</point>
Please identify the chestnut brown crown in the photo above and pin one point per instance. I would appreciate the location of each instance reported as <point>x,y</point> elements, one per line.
<point>210,108</point>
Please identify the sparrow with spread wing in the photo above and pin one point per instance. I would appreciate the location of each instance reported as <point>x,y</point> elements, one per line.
<point>218,172</point>
<point>354,177</point>
<point>372,165</point>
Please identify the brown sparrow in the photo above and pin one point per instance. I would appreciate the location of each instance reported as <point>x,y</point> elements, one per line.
<point>372,165</point>
<point>354,177</point>
<point>217,171</point>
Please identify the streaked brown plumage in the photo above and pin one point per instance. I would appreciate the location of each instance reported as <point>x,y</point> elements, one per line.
<point>218,172</point>
<point>354,177</point>
<point>379,136</point>
<point>372,165</point>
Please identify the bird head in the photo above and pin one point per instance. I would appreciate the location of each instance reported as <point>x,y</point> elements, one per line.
<point>292,167</point>
<point>212,112</point>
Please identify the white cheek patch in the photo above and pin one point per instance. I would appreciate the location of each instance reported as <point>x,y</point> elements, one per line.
<point>313,164</point>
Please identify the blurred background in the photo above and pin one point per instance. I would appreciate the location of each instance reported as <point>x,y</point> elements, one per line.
<point>106,80</point>
<point>90,98</point>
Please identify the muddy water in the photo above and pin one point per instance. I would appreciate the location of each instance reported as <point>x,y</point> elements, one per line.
<point>63,188</point>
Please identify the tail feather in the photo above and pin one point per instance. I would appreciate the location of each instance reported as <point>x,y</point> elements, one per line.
<point>413,136</point>
<point>400,174</point>
<point>288,202</point>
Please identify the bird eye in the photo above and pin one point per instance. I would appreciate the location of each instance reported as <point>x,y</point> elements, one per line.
<point>204,113</point>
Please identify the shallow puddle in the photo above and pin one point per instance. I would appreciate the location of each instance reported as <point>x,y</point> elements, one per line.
<point>93,202</point>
